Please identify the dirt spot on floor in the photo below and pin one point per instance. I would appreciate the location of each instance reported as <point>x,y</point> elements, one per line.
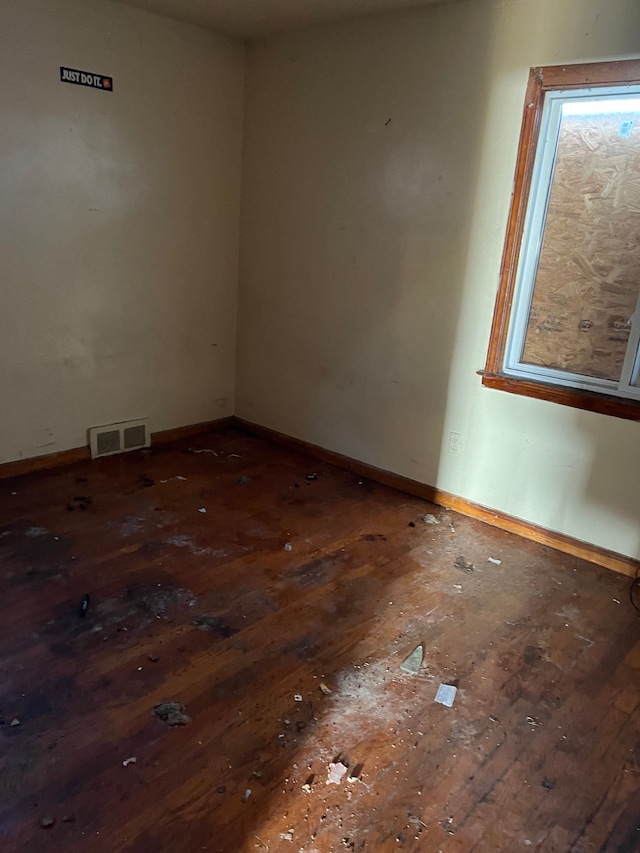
<point>156,601</point>
<point>317,571</point>
<point>172,713</point>
<point>138,607</point>
<point>33,553</point>
<point>532,655</point>
<point>184,542</point>
<point>305,648</point>
<point>216,624</point>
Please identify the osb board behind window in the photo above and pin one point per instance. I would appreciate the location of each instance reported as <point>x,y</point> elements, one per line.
<point>589,271</point>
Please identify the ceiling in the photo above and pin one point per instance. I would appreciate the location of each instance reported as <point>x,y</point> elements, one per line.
<point>253,18</point>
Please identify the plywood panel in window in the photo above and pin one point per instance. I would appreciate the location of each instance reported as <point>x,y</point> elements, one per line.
<point>588,277</point>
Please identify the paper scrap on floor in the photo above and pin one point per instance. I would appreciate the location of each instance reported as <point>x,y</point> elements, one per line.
<point>446,695</point>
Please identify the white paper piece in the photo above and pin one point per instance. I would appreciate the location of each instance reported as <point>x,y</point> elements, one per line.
<point>336,772</point>
<point>446,694</point>
<point>494,561</point>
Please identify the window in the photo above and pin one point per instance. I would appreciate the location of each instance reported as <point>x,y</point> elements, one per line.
<point>567,321</point>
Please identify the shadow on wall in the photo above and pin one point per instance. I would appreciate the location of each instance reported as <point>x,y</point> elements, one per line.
<point>117,251</point>
<point>358,210</point>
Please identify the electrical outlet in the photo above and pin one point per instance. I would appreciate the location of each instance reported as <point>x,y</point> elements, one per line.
<point>455,442</point>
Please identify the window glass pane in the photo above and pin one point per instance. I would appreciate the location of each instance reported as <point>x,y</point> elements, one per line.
<point>588,277</point>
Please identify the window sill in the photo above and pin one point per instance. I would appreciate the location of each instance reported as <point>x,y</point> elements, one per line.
<point>590,401</point>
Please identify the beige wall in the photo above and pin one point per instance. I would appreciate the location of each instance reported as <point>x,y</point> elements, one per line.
<point>119,222</point>
<point>378,165</point>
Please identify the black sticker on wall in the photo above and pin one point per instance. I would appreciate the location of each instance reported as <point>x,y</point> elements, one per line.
<point>86,78</point>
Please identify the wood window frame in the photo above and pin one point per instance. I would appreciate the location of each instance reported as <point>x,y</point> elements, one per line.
<point>542,80</point>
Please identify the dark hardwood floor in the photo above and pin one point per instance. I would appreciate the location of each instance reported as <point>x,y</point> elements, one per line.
<point>285,584</point>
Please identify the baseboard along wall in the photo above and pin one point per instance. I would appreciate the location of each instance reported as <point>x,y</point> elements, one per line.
<point>551,538</point>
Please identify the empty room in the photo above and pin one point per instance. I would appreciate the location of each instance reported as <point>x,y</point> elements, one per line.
<point>319,435</point>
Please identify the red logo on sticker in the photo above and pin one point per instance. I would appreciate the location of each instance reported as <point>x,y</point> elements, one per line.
<point>106,83</point>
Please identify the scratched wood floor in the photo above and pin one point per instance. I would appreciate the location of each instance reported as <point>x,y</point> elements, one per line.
<point>285,583</point>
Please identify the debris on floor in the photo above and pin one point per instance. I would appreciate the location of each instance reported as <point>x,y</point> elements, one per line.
<point>495,561</point>
<point>288,546</point>
<point>336,772</point>
<point>202,509</point>
<point>215,623</point>
<point>172,713</point>
<point>221,789</point>
<point>129,761</point>
<point>47,822</point>
<point>36,531</point>
<point>413,662</point>
<point>446,695</point>
<point>325,689</point>
<point>297,697</point>
<point>15,722</point>
<point>243,481</point>
<point>147,481</point>
<point>246,795</point>
<point>307,785</point>
<point>79,502</point>
<point>464,564</point>
<point>287,836</point>
<point>416,821</point>
<point>412,524</point>
<point>204,450</point>
<point>354,774</point>
<point>429,519</point>
<point>84,606</point>
<point>311,477</point>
